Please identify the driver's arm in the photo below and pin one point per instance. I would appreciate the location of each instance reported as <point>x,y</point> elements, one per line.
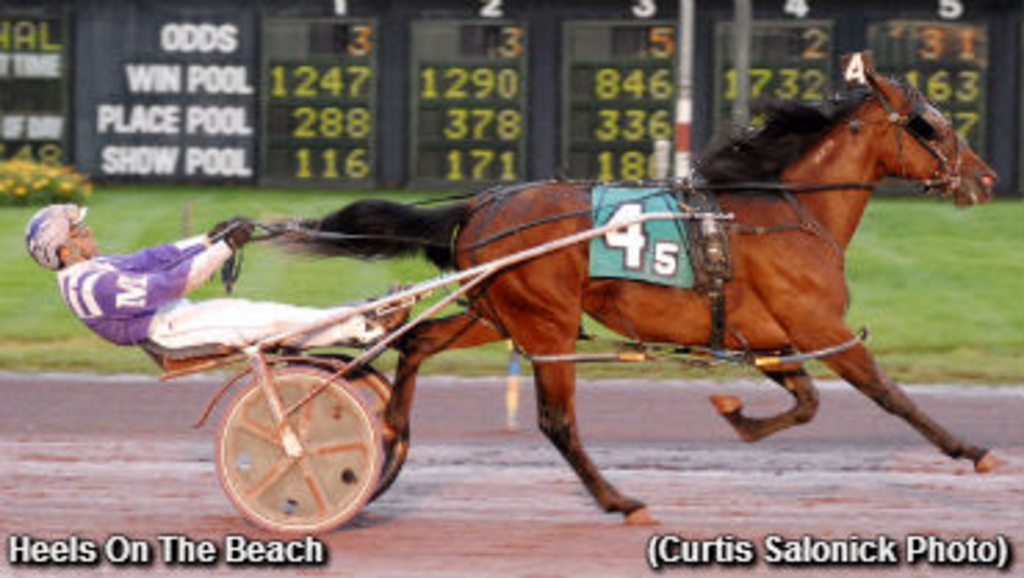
<point>213,249</point>
<point>203,266</point>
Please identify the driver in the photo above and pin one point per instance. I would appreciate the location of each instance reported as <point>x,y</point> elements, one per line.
<point>139,298</point>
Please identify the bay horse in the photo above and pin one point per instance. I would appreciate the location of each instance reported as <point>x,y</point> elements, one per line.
<point>787,291</point>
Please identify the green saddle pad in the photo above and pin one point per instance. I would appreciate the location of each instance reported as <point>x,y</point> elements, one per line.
<point>656,251</point>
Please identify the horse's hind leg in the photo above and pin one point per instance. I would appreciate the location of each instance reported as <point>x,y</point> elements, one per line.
<point>454,332</point>
<point>797,382</point>
<point>858,367</point>
<point>556,415</point>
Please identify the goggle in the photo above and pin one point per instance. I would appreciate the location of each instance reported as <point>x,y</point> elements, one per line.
<point>918,125</point>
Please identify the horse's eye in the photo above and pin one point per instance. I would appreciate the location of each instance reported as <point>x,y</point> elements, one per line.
<point>921,128</point>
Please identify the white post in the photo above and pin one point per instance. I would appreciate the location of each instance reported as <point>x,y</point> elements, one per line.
<point>684,98</point>
<point>661,161</point>
<point>742,30</point>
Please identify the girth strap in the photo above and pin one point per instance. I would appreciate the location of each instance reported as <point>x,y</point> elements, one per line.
<point>710,255</point>
<point>716,302</point>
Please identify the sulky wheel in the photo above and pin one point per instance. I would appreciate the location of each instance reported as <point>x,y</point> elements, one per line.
<point>375,391</point>
<point>316,484</point>
<point>371,386</point>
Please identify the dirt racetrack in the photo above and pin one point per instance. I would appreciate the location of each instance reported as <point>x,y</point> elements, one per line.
<point>95,456</point>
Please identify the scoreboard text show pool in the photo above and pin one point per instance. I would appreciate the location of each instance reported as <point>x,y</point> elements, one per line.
<point>460,94</point>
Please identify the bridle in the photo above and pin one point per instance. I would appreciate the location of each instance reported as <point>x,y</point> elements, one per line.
<point>946,177</point>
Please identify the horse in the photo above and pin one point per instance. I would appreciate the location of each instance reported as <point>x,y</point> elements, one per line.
<point>787,291</point>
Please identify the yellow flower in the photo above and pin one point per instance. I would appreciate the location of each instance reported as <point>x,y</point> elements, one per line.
<point>21,179</point>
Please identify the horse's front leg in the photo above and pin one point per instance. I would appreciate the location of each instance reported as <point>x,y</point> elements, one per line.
<point>556,417</point>
<point>809,302</point>
<point>858,367</point>
<point>454,332</point>
<point>797,382</point>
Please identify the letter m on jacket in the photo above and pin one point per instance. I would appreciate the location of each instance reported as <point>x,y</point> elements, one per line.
<point>131,291</point>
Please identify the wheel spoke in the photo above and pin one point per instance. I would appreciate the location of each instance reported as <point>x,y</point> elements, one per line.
<point>329,474</point>
<point>323,450</point>
<point>270,479</point>
<point>304,421</point>
<point>314,487</point>
<point>259,431</point>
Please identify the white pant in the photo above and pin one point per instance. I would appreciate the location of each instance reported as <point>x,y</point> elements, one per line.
<point>238,322</point>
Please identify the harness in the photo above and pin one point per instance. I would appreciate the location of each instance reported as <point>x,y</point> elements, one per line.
<point>709,240</point>
<point>710,255</point>
<point>913,123</point>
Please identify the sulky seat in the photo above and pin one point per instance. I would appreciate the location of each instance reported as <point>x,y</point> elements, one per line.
<point>184,361</point>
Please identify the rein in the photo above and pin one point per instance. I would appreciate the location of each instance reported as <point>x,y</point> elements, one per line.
<point>942,181</point>
<point>796,189</point>
<point>273,230</point>
<point>231,271</point>
<point>807,222</point>
<point>293,228</point>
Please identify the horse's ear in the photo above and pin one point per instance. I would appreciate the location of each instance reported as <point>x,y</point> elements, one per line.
<point>859,70</point>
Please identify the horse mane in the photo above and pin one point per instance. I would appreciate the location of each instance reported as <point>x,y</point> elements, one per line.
<point>789,129</point>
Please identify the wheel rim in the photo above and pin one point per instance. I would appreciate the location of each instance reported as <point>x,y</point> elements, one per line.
<point>375,391</point>
<point>323,487</point>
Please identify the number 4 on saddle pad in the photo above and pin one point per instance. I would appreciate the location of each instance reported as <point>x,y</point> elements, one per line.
<point>656,251</point>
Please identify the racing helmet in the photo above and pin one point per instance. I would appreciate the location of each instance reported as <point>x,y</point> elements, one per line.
<point>49,230</point>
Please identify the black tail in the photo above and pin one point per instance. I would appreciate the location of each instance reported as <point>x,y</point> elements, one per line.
<point>376,229</point>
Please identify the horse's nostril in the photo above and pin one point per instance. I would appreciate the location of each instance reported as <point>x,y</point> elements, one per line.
<point>988,180</point>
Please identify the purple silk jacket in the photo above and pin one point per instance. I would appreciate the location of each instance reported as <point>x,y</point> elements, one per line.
<point>117,296</point>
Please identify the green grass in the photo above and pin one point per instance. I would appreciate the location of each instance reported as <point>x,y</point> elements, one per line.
<point>942,290</point>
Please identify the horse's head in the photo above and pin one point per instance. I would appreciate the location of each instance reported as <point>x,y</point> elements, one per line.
<point>926,147</point>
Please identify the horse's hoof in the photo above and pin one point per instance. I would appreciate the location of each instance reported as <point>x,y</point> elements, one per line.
<point>641,517</point>
<point>987,463</point>
<point>726,404</point>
